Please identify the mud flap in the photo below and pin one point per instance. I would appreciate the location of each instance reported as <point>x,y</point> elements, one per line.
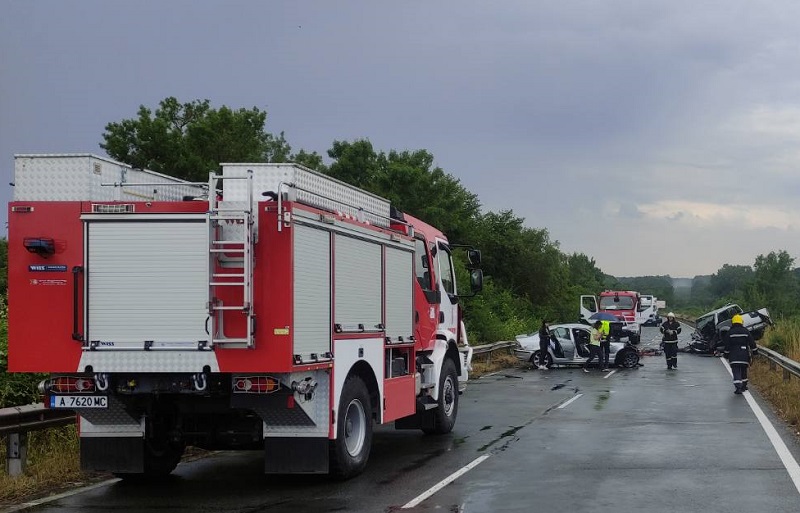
<point>124,455</point>
<point>296,455</point>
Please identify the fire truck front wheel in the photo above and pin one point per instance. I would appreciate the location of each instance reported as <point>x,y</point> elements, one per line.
<point>350,451</point>
<point>444,415</point>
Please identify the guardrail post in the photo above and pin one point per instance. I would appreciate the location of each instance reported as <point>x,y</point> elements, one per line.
<point>16,453</point>
<point>787,375</point>
<point>772,365</point>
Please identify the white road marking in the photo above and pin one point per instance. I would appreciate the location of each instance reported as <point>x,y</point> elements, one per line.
<point>610,374</point>
<point>39,502</point>
<point>564,405</point>
<point>783,452</point>
<point>446,481</point>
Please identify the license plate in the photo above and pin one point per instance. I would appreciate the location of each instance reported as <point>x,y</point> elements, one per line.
<point>78,401</point>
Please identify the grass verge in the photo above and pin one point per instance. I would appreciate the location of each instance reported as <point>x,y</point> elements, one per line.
<point>783,395</point>
<point>492,362</point>
<point>53,463</point>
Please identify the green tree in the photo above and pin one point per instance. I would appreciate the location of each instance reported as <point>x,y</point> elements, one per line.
<point>354,162</point>
<point>659,286</point>
<point>775,284</point>
<point>731,282</point>
<point>3,266</point>
<point>584,275</point>
<point>187,140</point>
<point>410,181</point>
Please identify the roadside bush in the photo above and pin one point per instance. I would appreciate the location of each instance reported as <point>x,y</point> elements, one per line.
<point>784,338</point>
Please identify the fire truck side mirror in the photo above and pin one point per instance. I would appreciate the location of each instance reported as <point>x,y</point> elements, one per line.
<point>474,257</point>
<point>476,280</point>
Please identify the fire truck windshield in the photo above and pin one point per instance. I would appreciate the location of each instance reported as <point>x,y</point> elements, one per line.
<point>616,303</point>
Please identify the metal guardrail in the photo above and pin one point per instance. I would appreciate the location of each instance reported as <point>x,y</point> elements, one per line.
<point>17,421</point>
<point>790,367</point>
<point>488,348</point>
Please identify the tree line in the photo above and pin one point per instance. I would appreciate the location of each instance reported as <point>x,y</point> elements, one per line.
<point>528,277</point>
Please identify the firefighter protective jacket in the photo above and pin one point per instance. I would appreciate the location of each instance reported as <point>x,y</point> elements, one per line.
<point>670,329</point>
<point>739,343</point>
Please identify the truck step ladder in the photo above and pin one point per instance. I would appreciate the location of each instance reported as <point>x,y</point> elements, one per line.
<point>230,244</point>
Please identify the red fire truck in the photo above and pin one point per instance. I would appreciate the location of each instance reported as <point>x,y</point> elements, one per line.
<point>624,306</point>
<point>272,308</point>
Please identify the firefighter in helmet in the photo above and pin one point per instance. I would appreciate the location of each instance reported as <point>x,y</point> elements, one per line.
<point>670,329</point>
<point>739,345</point>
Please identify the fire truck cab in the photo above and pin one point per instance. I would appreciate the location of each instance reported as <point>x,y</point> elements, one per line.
<point>624,305</point>
<point>272,308</point>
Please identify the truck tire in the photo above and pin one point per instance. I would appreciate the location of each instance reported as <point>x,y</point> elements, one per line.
<point>444,415</point>
<point>350,451</point>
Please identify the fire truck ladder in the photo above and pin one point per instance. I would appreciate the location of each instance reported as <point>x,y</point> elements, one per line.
<point>230,245</point>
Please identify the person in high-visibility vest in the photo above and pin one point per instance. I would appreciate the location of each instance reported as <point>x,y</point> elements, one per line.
<point>594,346</point>
<point>670,328</point>
<point>605,344</point>
<point>739,345</point>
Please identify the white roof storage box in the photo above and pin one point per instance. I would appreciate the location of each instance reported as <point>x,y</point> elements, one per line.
<point>312,188</point>
<point>80,177</point>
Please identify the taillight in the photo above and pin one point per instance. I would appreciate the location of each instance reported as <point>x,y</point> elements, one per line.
<point>255,384</point>
<point>70,385</point>
<point>39,245</point>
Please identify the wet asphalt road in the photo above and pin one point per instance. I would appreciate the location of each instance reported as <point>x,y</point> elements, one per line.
<point>645,439</point>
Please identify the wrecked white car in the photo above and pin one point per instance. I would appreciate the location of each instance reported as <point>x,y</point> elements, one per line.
<point>710,327</point>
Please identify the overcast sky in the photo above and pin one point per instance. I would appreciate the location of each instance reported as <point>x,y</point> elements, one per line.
<point>658,137</point>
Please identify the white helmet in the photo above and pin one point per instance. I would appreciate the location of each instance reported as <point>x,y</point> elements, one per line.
<point>672,315</point>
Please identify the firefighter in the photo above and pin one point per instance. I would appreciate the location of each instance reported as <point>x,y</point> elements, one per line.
<point>594,346</point>
<point>670,328</point>
<point>544,344</point>
<point>739,344</point>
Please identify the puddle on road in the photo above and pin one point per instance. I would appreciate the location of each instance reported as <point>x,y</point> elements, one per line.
<point>560,385</point>
<point>486,428</point>
<point>602,399</point>
<point>414,465</point>
<point>510,433</point>
<point>459,441</point>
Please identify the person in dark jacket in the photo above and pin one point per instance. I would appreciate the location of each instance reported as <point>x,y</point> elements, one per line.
<point>670,328</point>
<point>544,344</point>
<point>739,345</point>
<point>594,346</point>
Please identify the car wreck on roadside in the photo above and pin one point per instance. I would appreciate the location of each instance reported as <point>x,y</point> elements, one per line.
<point>710,328</point>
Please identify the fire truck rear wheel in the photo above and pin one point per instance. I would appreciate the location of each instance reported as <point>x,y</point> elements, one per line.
<point>350,451</point>
<point>444,416</point>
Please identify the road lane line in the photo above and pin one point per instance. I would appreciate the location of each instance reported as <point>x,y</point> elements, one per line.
<point>777,442</point>
<point>446,481</point>
<point>564,405</point>
<point>610,374</point>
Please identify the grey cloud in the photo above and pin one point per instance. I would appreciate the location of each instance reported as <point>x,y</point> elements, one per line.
<point>548,108</point>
